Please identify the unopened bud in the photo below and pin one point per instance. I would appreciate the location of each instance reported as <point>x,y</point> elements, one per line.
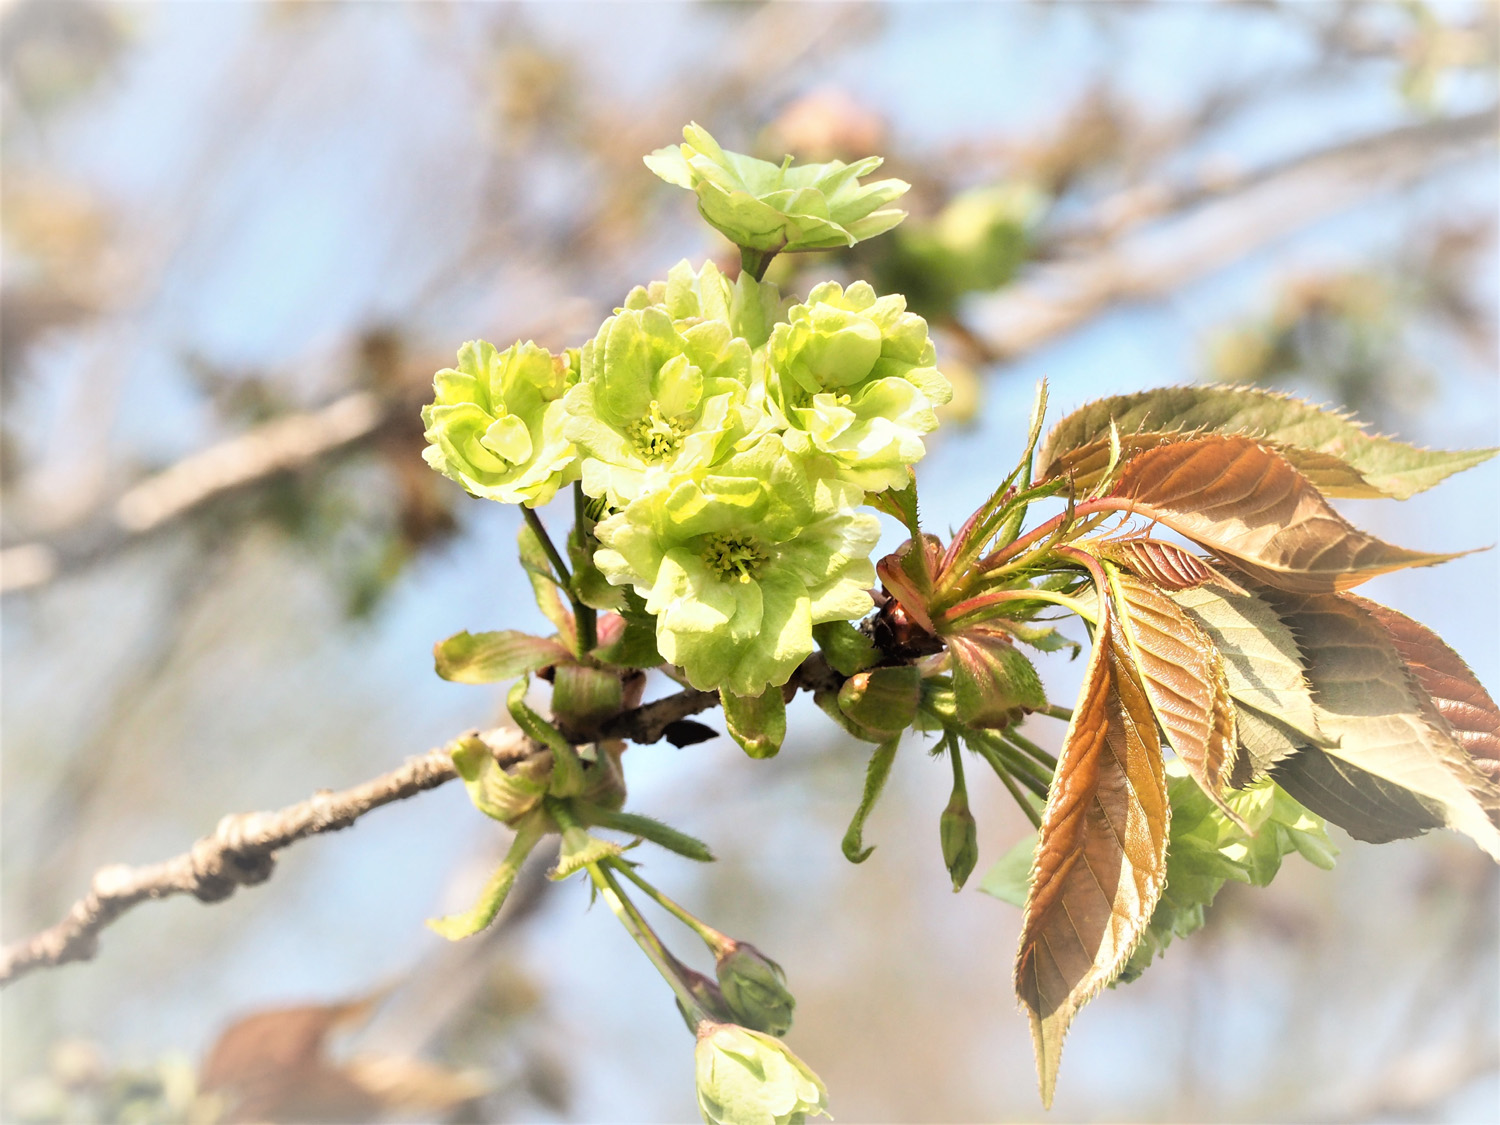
<point>755,988</point>
<point>883,700</point>
<point>960,837</point>
<point>746,1076</point>
<point>708,996</point>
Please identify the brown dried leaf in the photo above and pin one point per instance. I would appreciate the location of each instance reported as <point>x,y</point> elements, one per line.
<point>1247,503</point>
<point>275,1065</point>
<point>1380,718</point>
<point>1185,683</point>
<point>1169,566</point>
<point>1100,862</point>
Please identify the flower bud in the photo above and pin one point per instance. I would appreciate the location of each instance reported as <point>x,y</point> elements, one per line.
<point>755,988</point>
<point>709,998</point>
<point>960,836</point>
<point>883,700</point>
<point>745,1077</point>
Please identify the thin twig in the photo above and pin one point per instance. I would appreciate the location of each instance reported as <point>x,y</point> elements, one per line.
<point>241,851</point>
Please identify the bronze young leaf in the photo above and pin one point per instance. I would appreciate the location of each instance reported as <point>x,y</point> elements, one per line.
<point>1332,450</point>
<point>1247,503</point>
<point>1100,860</point>
<point>1458,696</point>
<point>1261,659</point>
<point>1380,718</point>
<point>1185,683</point>
<point>1166,564</point>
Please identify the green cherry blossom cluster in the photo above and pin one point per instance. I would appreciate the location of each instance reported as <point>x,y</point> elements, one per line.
<point>727,436</point>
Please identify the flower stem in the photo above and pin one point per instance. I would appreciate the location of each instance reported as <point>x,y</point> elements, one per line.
<point>1004,759</point>
<point>583,616</point>
<point>754,262</point>
<point>711,937</point>
<point>646,938</point>
<point>588,635</point>
<point>1025,745</point>
<point>990,755</point>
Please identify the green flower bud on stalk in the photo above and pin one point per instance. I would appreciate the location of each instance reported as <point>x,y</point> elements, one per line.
<point>773,208</point>
<point>882,701</point>
<point>960,836</point>
<point>855,377</point>
<point>754,987</point>
<point>740,561</point>
<point>496,425</point>
<point>747,1078</point>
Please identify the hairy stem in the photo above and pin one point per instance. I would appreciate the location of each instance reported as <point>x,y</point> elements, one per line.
<point>711,937</point>
<point>645,937</point>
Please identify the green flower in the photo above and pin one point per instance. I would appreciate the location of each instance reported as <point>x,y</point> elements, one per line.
<point>740,561</point>
<point>855,377</point>
<point>749,307</point>
<point>748,1078</point>
<point>657,396</point>
<point>496,425</point>
<point>774,208</point>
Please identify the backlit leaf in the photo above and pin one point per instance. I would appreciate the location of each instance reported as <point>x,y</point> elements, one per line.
<point>1336,453</point>
<point>483,658</point>
<point>1368,703</point>
<point>1364,805</point>
<point>1184,679</point>
<point>1101,853</point>
<point>1166,564</point>
<point>1458,696</point>
<point>1261,660</point>
<point>1247,503</point>
<point>1263,742</point>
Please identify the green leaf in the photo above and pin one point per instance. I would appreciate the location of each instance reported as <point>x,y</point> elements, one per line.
<point>578,850</point>
<point>1331,449</point>
<point>1208,848</point>
<point>647,828</point>
<point>529,833</point>
<point>875,775</point>
<point>1009,878</point>
<point>504,794</point>
<point>756,722</point>
<point>628,639</point>
<point>483,658</point>
<point>567,768</point>
<point>544,584</point>
<point>1043,638</point>
<point>846,649</point>
<point>584,698</point>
